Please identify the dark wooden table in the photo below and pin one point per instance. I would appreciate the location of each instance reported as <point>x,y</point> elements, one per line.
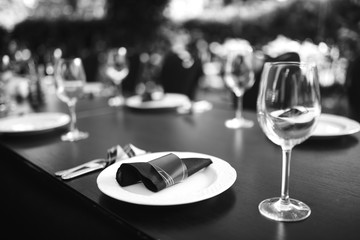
<point>325,174</point>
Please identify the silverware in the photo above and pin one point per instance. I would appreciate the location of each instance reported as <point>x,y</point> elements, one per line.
<point>114,154</point>
<point>92,163</point>
<point>100,164</point>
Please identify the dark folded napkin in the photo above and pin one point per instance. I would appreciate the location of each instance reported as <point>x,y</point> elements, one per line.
<point>161,172</point>
<point>147,97</point>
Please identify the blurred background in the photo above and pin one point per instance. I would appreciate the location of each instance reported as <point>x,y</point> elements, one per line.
<point>185,36</point>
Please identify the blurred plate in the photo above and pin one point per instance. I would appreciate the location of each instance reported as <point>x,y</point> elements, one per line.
<point>33,123</point>
<point>334,126</point>
<point>206,183</point>
<point>169,101</point>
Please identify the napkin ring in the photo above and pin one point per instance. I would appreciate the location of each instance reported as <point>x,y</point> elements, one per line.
<point>171,168</point>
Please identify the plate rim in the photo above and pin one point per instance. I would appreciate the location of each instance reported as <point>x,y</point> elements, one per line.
<point>34,115</point>
<point>350,128</point>
<point>231,175</point>
<point>142,107</point>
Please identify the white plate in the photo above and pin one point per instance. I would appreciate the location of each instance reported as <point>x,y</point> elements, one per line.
<point>204,184</point>
<point>33,123</point>
<point>169,101</point>
<point>333,126</point>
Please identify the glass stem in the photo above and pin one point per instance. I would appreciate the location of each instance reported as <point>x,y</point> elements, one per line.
<point>72,115</point>
<point>239,107</point>
<point>286,157</point>
<point>119,91</point>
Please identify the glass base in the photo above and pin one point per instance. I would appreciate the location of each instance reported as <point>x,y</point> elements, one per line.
<point>74,136</point>
<point>239,123</point>
<point>116,101</point>
<point>278,210</point>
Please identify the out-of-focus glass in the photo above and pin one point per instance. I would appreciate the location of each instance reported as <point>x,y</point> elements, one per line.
<point>70,80</point>
<point>117,69</point>
<point>239,76</point>
<point>4,78</point>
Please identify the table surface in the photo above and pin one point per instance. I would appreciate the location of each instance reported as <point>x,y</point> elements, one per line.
<point>324,174</point>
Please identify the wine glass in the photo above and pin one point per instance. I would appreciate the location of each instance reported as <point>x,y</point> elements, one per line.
<point>116,69</point>
<point>288,108</point>
<point>149,88</point>
<point>70,79</point>
<point>238,77</point>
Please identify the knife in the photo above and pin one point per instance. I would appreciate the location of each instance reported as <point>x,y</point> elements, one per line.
<point>92,163</point>
<point>83,171</point>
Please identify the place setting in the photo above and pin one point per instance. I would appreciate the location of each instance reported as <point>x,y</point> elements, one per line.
<point>133,175</point>
<point>70,82</point>
<point>149,93</point>
<point>197,177</point>
<point>161,101</point>
<point>151,97</point>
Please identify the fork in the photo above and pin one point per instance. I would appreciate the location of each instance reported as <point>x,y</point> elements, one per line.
<point>114,154</point>
<point>90,164</point>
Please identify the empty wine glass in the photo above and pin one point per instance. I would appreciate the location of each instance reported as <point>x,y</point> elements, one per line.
<point>70,80</point>
<point>288,108</point>
<point>238,77</point>
<point>116,69</point>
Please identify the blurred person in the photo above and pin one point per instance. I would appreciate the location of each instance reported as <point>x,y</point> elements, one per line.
<point>182,67</point>
<point>349,43</point>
